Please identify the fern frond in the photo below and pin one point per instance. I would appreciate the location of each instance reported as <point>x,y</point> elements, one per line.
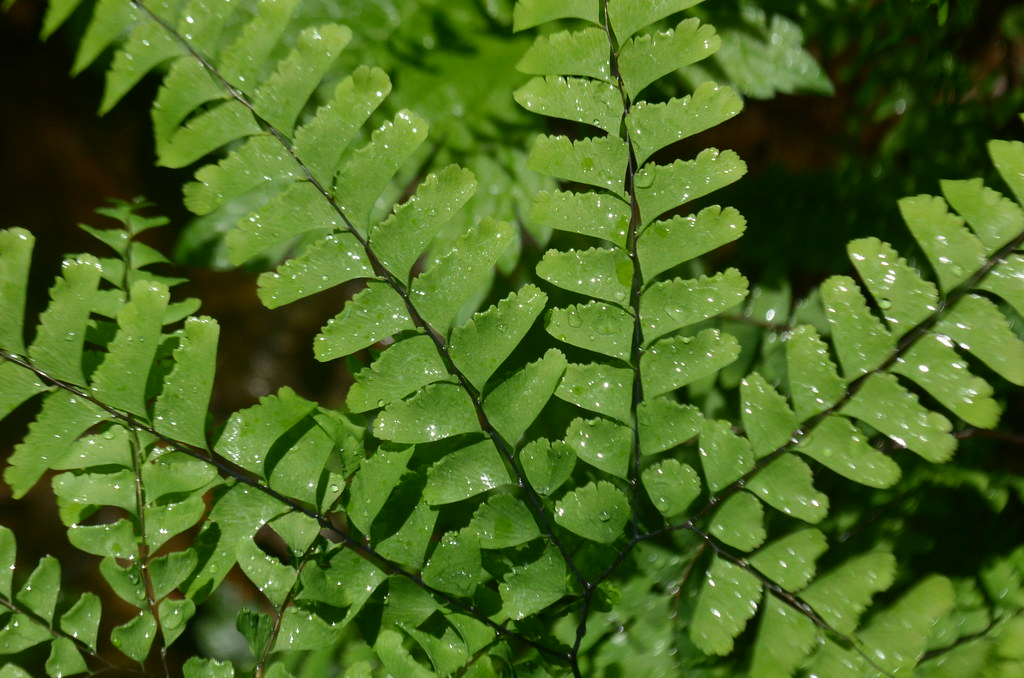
<point>31,616</point>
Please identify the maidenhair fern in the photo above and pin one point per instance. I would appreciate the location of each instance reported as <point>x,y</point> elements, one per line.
<point>614,492</point>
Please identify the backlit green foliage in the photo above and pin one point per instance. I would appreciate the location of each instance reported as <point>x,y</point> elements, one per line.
<point>595,473</point>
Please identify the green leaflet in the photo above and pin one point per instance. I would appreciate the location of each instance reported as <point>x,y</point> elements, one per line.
<point>401,239</point>
<point>953,252</point>
<point>599,273</point>
<point>677,361</point>
<point>739,522</point>
<point>583,52</point>
<point>405,367</point>
<point>785,637</point>
<point>978,326</point>
<point>377,477</point>
<point>884,404</point>
<point>629,16</point>
<point>602,444</point>
<point>454,567</point>
<point>768,421</point>
<point>861,342</point>
<point>587,101</point>
<point>502,522</point>
<point>15,256</point>
<point>282,96</point>
<point>814,384</point>
<point>57,348</point>
<point>180,411</point>
<point>260,161</point>
<point>899,634</point>
<point>19,386</point>
<point>673,304</point>
<point>668,243</point>
<point>596,326</point>
<point>322,265</point>
<point>599,388</point>
<point>516,402</point>
<point>597,511</point>
<point>904,299</point>
<point>726,602</point>
<point>994,219</point>
<point>530,13</point>
<point>594,214</point>
<point>464,473</point>
<point>841,595</point>
<point>596,162</point>
<point>298,209</point>
<point>837,444</point>
<point>534,585</point>
<point>320,143</point>
<point>787,485</point>
<point>206,132</point>
<point>79,494</point>
<point>724,455</point>
<point>645,58</point>
<point>789,561</point>
<point>368,172</point>
<point>134,638</point>
<point>109,20</point>
<point>671,486</point>
<point>482,344</point>
<point>933,364</point>
<point>652,127</point>
<point>120,380</point>
<point>437,411</point>
<point>63,418</point>
<point>663,424</point>
<point>186,87</point>
<point>660,188</point>
<point>441,292</point>
<point>250,435</point>
<point>375,313</point>
<point>547,465</point>
<point>147,47</point>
